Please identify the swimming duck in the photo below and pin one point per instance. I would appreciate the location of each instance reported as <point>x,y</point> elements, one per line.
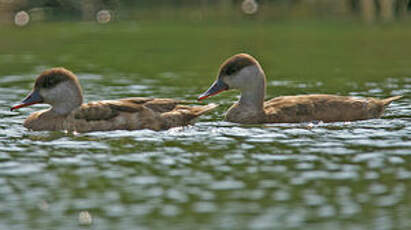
<point>61,89</point>
<point>244,73</point>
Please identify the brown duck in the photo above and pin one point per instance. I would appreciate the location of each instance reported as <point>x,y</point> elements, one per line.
<point>61,89</point>
<point>244,73</point>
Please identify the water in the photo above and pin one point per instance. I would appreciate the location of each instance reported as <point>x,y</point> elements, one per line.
<point>214,174</point>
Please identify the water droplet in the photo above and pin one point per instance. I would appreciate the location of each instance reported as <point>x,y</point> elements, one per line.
<point>84,218</point>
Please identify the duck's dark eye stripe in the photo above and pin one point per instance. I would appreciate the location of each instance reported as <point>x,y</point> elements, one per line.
<point>230,70</point>
<point>235,64</point>
<point>50,81</point>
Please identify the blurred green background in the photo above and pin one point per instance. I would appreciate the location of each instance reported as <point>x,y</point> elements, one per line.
<point>369,10</point>
<point>354,39</point>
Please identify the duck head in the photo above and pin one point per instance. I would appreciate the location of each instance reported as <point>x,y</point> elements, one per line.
<point>57,87</point>
<point>241,72</point>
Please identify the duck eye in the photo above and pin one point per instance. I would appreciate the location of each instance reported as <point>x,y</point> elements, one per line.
<point>49,82</point>
<point>231,70</point>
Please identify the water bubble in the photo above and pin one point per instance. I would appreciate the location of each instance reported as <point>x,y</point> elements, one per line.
<point>103,16</point>
<point>21,18</point>
<point>310,126</point>
<point>84,218</point>
<point>249,6</point>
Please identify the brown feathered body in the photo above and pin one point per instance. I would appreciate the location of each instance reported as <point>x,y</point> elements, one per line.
<point>243,72</point>
<point>61,89</point>
<point>123,114</point>
<point>313,107</point>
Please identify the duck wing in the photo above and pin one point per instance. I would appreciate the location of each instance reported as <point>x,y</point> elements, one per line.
<point>160,105</point>
<point>105,110</point>
<point>137,113</point>
<point>322,107</point>
<point>173,112</point>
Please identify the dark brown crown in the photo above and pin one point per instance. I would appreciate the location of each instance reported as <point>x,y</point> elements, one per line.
<point>52,77</point>
<point>236,63</point>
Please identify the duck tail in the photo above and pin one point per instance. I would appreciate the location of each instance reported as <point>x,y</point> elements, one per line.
<point>198,110</point>
<point>182,115</point>
<point>388,101</point>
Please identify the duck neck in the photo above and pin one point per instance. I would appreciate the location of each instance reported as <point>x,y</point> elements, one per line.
<point>253,94</point>
<point>64,108</point>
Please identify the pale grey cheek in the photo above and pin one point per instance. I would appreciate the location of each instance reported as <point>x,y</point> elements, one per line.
<point>239,82</point>
<point>50,95</point>
<point>45,94</point>
<point>230,83</point>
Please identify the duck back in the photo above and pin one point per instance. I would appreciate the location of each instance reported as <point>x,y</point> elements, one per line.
<point>322,107</point>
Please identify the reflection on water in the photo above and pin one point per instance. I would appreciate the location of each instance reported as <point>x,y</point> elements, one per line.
<point>214,174</point>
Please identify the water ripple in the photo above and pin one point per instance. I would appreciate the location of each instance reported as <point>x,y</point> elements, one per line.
<point>232,176</point>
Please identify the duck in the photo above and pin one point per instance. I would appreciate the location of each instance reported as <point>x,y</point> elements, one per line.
<point>60,88</point>
<point>243,72</point>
